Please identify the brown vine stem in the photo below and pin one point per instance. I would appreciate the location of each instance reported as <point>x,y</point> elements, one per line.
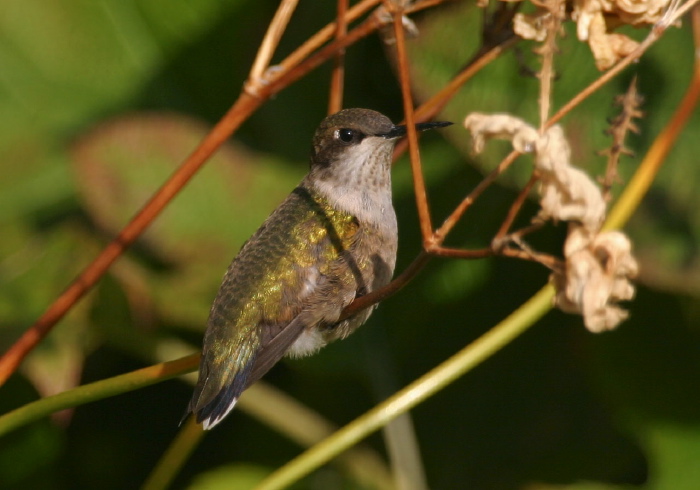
<point>322,36</point>
<point>426,111</point>
<point>515,209</point>
<point>435,104</point>
<point>422,259</point>
<point>409,9</point>
<point>284,79</point>
<point>440,99</point>
<point>335,99</point>
<point>456,215</point>
<point>405,80</point>
<point>390,289</point>
<point>461,253</point>
<point>656,32</point>
<point>548,261</point>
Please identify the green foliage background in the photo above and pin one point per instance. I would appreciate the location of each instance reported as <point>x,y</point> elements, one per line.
<point>101,100</point>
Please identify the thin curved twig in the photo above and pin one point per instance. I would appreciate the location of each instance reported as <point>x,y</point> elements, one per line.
<point>335,99</point>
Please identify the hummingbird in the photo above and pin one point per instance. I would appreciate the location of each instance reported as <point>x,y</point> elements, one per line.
<point>333,239</point>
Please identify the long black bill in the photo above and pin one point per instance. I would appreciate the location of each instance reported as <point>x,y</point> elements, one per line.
<point>398,131</point>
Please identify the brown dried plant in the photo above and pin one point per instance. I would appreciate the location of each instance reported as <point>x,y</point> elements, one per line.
<point>620,126</point>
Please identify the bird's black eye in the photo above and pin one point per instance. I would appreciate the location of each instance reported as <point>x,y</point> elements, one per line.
<point>348,136</point>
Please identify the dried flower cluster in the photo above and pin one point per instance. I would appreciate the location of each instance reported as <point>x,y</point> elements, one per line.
<point>598,265</point>
<point>595,20</point>
<point>595,23</point>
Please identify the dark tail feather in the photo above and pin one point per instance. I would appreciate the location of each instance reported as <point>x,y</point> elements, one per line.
<point>211,412</point>
<point>215,411</point>
<point>212,409</point>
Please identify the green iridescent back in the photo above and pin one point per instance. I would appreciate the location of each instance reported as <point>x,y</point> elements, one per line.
<point>267,283</point>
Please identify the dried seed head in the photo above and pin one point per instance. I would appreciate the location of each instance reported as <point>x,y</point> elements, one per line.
<point>597,265</point>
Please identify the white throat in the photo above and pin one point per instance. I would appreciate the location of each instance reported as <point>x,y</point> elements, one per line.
<point>361,183</point>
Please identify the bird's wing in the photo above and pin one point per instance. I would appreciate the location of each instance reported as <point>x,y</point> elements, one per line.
<point>258,313</point>
<point>274,348</point>
<point>212,409</point>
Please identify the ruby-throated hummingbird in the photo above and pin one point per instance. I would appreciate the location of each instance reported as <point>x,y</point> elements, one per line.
<point>332,240</point>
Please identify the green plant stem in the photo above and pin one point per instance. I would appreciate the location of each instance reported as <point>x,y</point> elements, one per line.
<point>415,393</point>
<point>97,391</point>
<point>176,455</point>
<point>287,416</point>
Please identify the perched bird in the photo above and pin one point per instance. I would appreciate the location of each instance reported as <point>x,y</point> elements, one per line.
<point>333,239</point>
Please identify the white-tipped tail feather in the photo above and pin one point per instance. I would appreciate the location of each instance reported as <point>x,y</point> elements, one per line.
<point>212,420</point>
